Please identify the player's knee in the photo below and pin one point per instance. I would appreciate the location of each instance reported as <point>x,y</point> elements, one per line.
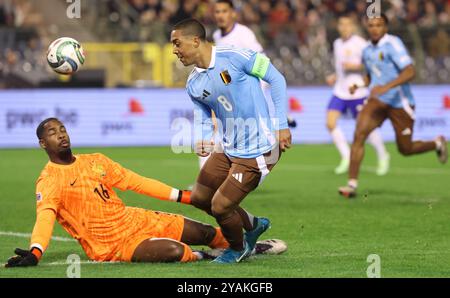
<point>219,209</point>
<point>331,125</point>
<point>405,150</point>
<point>360,137</point>
<point>200,201</point>
<point>174,252</point>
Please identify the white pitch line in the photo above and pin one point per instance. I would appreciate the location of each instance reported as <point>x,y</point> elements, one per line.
<point>28,235</point>
<point>64,263</point>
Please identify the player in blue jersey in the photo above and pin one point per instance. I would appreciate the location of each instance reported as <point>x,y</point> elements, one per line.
<point>226,81</point>
<point>389,71</point>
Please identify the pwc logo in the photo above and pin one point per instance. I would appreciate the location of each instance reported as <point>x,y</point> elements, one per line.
<point>135,107</point>
<point>446,102</point>
<point>295,105</point>
<point>125,125</point>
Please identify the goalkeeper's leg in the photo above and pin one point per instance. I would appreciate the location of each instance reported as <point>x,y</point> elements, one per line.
<point>166,248</point>
<point>163,250</point>
<point>197,233</point>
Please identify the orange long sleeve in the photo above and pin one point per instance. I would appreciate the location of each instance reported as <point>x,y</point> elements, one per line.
<point>155,188</point>
<point>125,179</point>
<point>43,229</point>
<point>149,187</point>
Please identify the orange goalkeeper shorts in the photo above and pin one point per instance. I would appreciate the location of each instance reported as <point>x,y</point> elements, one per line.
<point>154,225</point>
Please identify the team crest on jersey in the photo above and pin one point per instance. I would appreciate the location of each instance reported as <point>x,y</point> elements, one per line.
<point>38,197</point>
<point>381,56</point>
<point>99,170</point>
<point>225,76</point>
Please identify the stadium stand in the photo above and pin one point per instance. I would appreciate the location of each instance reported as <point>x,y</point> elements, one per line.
<point>296,34</point>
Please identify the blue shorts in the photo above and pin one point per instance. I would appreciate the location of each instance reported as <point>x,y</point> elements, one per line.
<point>354,106</point>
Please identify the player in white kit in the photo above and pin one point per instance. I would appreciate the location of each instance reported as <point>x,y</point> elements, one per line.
<point>230,32</point>
<point>348,71</point>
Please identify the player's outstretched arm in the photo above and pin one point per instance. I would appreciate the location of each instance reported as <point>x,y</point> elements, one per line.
<point>125,179</point>
<point>156,189</point>
<point>40,239</point>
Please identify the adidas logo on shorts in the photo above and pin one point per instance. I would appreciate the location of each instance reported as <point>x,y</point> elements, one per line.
<point>237,176</point>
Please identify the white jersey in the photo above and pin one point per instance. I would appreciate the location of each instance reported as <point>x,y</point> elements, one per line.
<point>349,51</point>
<point>240,37</point>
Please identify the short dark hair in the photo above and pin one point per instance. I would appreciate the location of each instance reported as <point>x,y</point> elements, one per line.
<point>40,128</point>
<point>347,16</point>
<point>382,16</point>
<point>385,18</point>
<point>229,2</point>
<point>191,27</point>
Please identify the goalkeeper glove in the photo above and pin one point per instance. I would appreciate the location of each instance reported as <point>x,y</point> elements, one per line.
<point>24,258</point>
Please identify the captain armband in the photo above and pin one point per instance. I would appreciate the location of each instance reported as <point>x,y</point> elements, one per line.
<point>260,66</point>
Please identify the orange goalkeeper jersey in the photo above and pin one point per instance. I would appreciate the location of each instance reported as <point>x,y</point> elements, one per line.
<point>81,196</point>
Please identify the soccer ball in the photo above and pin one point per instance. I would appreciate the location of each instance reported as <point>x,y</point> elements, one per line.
<point>65,55</point>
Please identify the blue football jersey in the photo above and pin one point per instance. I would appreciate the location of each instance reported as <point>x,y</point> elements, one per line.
<point>231,88</point>
<point>384,62</point>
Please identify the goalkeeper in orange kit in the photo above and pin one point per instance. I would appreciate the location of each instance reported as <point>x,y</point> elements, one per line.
<point>77,191</point>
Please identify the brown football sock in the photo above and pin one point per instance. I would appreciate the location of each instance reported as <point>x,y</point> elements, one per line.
<point>247,219</point>
<point>231,226</point>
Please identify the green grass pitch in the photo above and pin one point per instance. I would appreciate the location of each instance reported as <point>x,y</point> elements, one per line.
<point>403,217</point>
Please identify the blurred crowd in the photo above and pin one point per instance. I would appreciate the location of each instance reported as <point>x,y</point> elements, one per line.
<point>296,34</point>
<point>301,16</point>
<point>21,45</point>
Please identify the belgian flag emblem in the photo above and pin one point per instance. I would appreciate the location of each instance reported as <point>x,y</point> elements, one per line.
<point>225,76</point>
<point>381,56</point>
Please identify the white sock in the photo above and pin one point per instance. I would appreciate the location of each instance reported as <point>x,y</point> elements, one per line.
<point>251,219</point>
<point>340,142</point>
<point>438,143</point>
<point>199,255</point>
<point>202,160</point>
<point>376,141</point>
<point>353,183</point>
